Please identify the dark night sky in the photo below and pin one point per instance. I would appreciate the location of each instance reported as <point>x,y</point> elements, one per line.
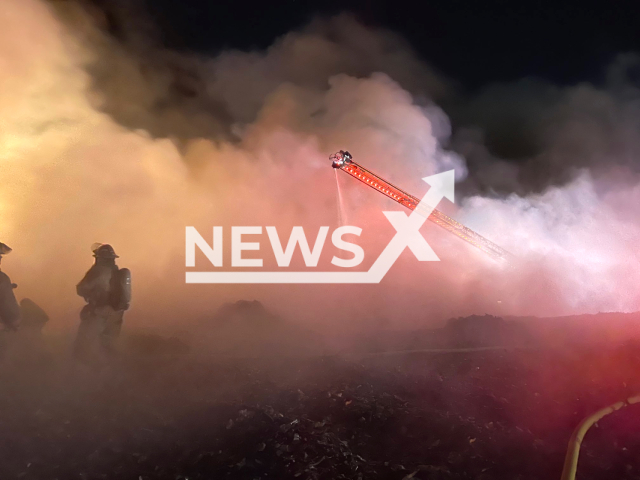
<point>474,42</point>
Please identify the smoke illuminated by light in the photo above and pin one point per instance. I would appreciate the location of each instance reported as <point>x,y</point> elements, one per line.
<point>90,157</point>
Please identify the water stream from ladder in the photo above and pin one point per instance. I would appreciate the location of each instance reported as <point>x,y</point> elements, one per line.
<point>342,217</point>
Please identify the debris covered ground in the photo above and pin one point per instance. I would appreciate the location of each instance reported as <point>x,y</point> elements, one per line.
<point>476,415</point>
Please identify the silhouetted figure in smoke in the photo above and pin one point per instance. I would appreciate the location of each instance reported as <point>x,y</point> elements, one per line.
<point>34,318</point>
<point>28,345</point>
<point>9,308</point>
<point>107,291</point>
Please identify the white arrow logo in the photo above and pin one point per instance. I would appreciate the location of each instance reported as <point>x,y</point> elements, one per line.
<point>407,235</point>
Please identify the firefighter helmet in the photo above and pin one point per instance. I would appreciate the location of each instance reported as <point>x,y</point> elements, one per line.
<point>4,249</point>
<point>104,250</point>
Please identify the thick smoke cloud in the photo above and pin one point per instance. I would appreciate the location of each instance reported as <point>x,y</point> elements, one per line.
<point>115,139</point>
<point>185,96</point>
<point>529,135</point>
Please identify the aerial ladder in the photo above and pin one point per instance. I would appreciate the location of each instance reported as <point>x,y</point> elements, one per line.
<point>344,161</point>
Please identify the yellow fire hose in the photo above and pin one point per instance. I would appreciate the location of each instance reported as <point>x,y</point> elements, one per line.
<point>571,460</point>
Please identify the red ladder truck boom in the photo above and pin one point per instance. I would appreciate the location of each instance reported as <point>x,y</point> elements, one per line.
<point>344,161</point>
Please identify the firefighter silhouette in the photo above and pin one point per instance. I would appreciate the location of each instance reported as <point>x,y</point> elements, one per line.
<point>107,291</point>
<point>9,308</point>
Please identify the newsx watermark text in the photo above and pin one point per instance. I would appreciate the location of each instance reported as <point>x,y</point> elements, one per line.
<point>407,236</point>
